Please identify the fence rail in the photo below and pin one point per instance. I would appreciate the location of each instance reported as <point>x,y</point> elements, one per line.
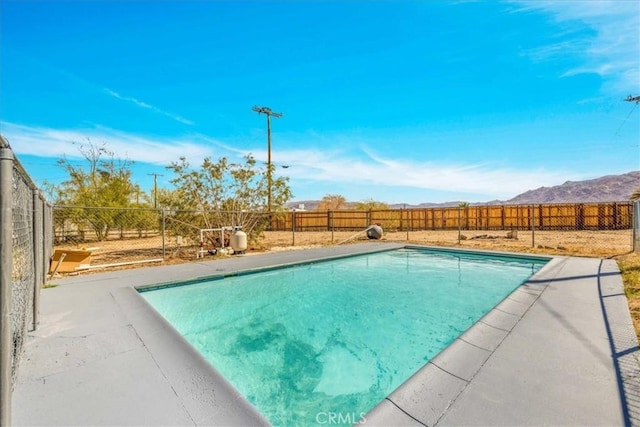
<point>26,242</point>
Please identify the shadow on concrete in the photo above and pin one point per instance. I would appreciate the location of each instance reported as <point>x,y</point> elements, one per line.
<point>624,346</point>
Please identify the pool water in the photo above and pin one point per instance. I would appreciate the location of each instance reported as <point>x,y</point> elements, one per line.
<point>336,337</point>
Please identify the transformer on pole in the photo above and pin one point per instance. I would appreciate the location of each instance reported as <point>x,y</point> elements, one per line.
<point>630,98</point>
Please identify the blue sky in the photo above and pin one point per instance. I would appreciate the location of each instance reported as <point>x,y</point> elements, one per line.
<point>397,101</point>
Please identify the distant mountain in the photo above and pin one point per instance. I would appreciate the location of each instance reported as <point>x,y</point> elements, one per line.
<point>610,188</point>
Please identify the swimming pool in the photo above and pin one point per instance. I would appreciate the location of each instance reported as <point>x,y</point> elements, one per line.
<point>337,336</point>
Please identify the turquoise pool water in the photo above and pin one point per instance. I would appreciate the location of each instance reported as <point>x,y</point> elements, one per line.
<point>336,337</point>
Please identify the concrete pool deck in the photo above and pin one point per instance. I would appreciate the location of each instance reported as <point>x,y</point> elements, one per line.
<point>560,350</point>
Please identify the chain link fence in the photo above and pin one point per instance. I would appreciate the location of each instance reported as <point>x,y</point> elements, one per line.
<point>636,227</point>
<point>26,241</point>
<point>594,229</point>
<point>118,237</point>
<point>23,271</point>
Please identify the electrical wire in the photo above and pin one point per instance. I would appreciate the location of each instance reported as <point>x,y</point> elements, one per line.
<point>627,118</point>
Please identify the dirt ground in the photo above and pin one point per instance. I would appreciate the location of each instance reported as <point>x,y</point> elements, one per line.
<point>149,250</point>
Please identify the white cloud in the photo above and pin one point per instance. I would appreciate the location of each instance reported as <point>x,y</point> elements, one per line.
<point>148,106</point>
<point>325,168</point>
<point>463,178</point>
<point>333,167</point>
<point>47,142</point>
<point>611,50</point>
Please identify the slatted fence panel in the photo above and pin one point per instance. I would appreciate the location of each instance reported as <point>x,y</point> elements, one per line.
<point>578,216</point>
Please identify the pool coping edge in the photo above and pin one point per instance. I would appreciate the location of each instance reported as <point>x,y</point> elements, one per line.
<point>441,380</point>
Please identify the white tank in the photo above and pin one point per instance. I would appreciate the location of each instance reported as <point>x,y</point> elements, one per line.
<point>239,241</point>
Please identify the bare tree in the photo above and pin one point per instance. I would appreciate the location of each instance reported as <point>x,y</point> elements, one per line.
<point>331,202</point>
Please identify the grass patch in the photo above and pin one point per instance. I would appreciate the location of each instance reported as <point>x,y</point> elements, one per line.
<point>630,268</point>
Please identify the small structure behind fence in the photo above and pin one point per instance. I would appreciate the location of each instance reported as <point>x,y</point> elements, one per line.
<point>26,242</point>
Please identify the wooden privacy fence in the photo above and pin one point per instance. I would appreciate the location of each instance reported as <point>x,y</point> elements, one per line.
<point>578,216</point>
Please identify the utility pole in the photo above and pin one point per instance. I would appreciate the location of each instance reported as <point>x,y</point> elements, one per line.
<point>155,188</point>
<point>267,111</point>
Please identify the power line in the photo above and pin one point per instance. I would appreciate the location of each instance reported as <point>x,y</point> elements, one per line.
<point>629,98</point>
<point>267,111</point>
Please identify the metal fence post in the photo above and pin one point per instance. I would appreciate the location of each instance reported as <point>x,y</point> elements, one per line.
<point>330,213</point>
<point>163,227</point>
<point>47,233</point>
<point>533,226</point>
<point>293,227</point>
<point>408,222</point>
<point>459,226</point>
<point>635,218</point>
<point>6,268</point>
<point>38,255</point>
